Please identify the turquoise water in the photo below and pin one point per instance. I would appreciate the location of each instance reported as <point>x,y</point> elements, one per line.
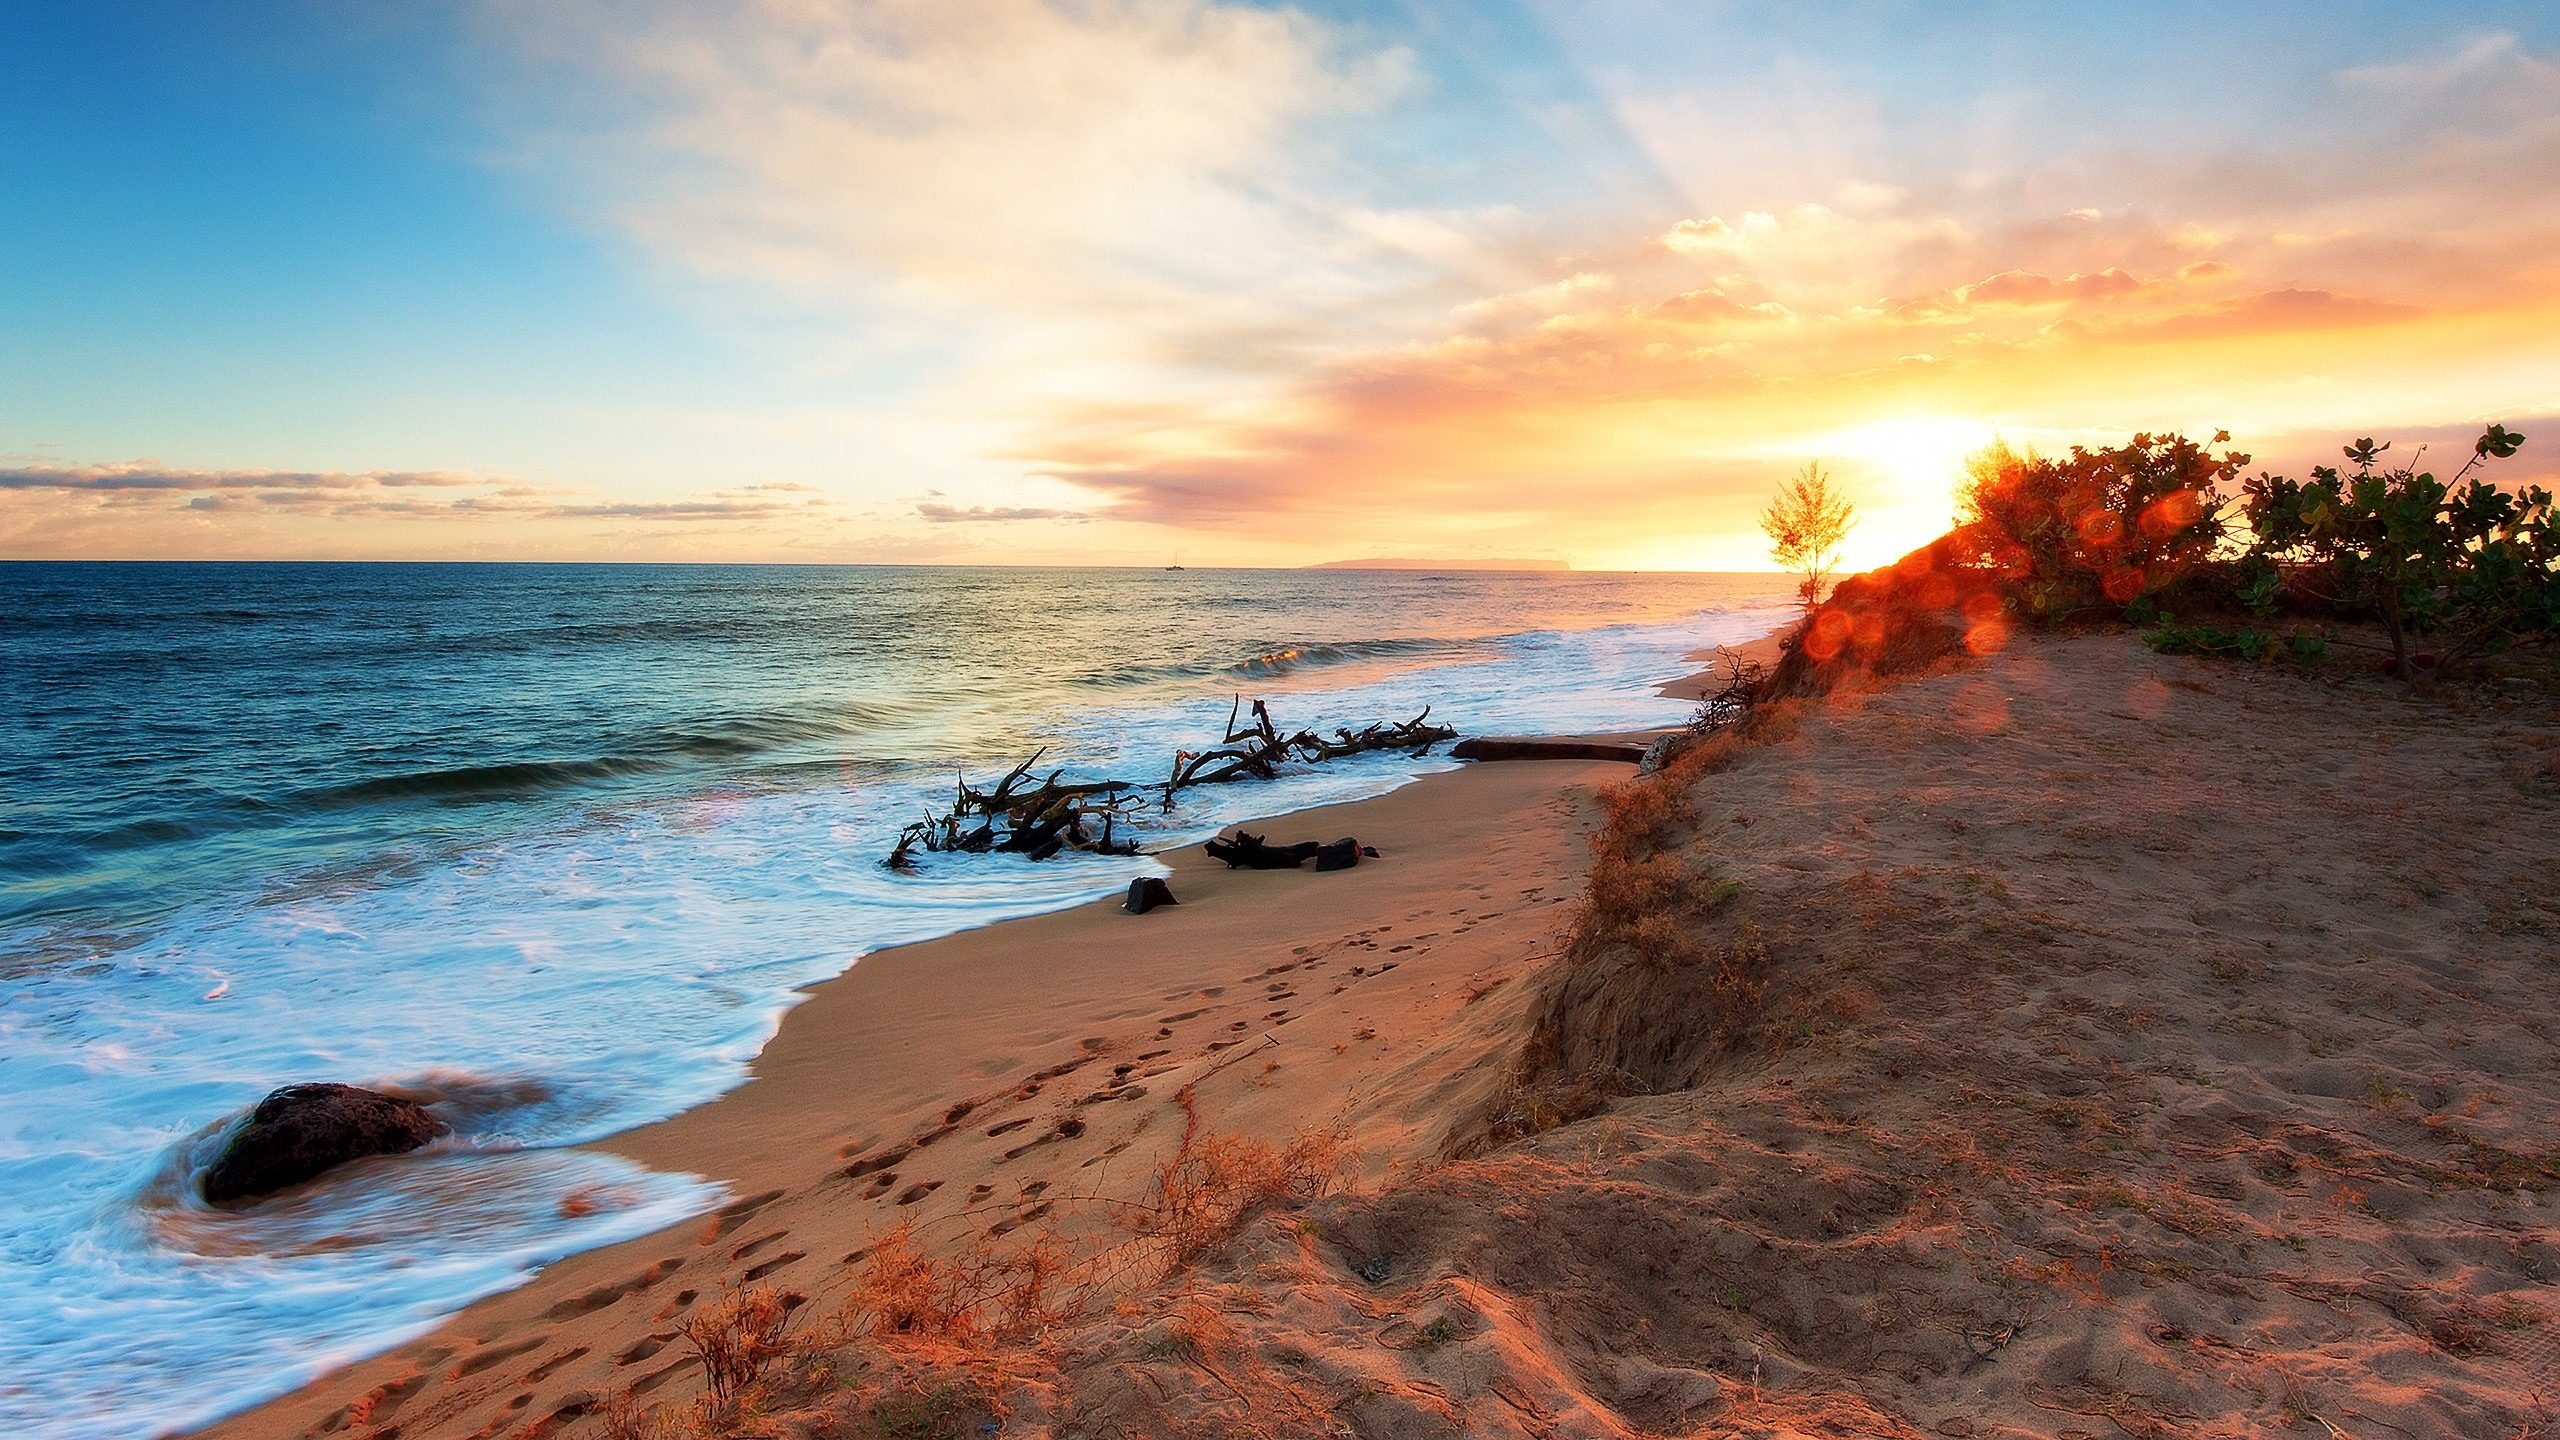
<point>556,846</point>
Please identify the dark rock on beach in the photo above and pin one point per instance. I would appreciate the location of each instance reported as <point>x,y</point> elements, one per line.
<point>301,1130</point>
<point>1146,893</point>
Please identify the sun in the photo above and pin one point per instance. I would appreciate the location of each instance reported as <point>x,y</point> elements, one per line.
<point>1902,473</point>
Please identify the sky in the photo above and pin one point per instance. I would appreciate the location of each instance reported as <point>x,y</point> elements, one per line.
<point>1173,281</point>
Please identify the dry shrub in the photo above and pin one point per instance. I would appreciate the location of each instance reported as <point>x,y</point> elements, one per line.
<point>1212,1183</point>
<point>625,1417</point>
<point>988,1295</point>
<point>737,1336</point>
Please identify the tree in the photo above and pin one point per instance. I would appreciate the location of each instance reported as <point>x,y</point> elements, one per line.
<point>1806,524</point>
<point>2472,565</point>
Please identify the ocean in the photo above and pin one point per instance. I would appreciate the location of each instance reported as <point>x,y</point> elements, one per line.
<point>556,846</point>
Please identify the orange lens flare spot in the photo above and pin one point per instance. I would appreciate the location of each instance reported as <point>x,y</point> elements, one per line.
<point>1829,635</point>
<point>2172,515</point>
<point>1987,637</point>
<point>2102,527</point>
<point>1981,608</point>
<point>2122,583</point>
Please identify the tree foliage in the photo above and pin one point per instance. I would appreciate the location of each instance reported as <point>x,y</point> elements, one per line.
<point>2472,567</point>
<point>2100,529</point>
<point>1807,523</point>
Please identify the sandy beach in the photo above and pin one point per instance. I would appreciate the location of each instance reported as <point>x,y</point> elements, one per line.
<point>2068,1043</point>
<point>979,1078</point>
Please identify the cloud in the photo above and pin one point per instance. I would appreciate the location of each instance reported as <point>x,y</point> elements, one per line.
<point>2020,287</point>
<point>151,484</point>
<point>1133,181</point>
<point>941,514</point>
<point>152,475</point>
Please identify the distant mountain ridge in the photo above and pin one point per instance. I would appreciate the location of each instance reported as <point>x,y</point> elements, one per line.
<point>1408,563</point>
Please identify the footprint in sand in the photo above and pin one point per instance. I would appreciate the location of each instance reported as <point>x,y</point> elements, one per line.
<point>730,1216</point>
<point>642,1348</point>
<point>475,1361</point>
<point>777,1262</point>
<point>881,1161</point>
<point>380,1402</point>
<point>590,1300</point>
<point>918,1191</point>
<point>683,1298</point>
<point>752,1246</point>
<point>661,1375</point>
<point>550,1367</point>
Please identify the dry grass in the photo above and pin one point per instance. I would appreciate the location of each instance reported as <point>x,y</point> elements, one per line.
<point>940,1341</point>
<point>1205,1191</point>
<point>737,1336</point>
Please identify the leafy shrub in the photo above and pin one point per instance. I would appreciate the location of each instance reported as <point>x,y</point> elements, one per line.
<point>2247,643</point>
<point>2464,562</point>
<point>2100,529</point>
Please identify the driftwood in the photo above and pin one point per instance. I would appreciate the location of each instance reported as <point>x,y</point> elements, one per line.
<point>1257,750</point>
<point>1745,682</point>
<point>1017,817</point>
<point>1531,747</point>
<point>1248,852</point>
<point>1020,817</point>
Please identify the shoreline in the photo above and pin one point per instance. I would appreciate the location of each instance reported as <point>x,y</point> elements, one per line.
<point>938,1042</point>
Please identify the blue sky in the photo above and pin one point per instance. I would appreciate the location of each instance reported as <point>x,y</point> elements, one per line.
<point>1266,284</point>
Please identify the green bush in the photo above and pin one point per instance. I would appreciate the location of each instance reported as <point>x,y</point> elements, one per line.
<point>2463,564</point>
<point>2248,643</point>
<point>2100,530</point>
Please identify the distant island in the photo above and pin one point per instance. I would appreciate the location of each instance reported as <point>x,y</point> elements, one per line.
<point>1414,564</point>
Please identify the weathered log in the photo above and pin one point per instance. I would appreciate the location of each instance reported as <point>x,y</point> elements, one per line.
<point>1146,893</point>
<point>1508,747</point>
<point>1248,852</point>
<point>1342,854</point>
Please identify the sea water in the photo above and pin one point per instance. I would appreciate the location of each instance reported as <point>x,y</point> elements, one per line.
<point>554,847</point>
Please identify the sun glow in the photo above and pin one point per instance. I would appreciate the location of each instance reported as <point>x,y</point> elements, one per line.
<point>1902,474</point>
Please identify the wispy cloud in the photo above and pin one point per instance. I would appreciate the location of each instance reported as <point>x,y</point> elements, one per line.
<point>941,514</point>
<point>152,475</point>
<point>424,494</point>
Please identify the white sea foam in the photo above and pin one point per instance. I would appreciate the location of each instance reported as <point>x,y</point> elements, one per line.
<point>548,989</point>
